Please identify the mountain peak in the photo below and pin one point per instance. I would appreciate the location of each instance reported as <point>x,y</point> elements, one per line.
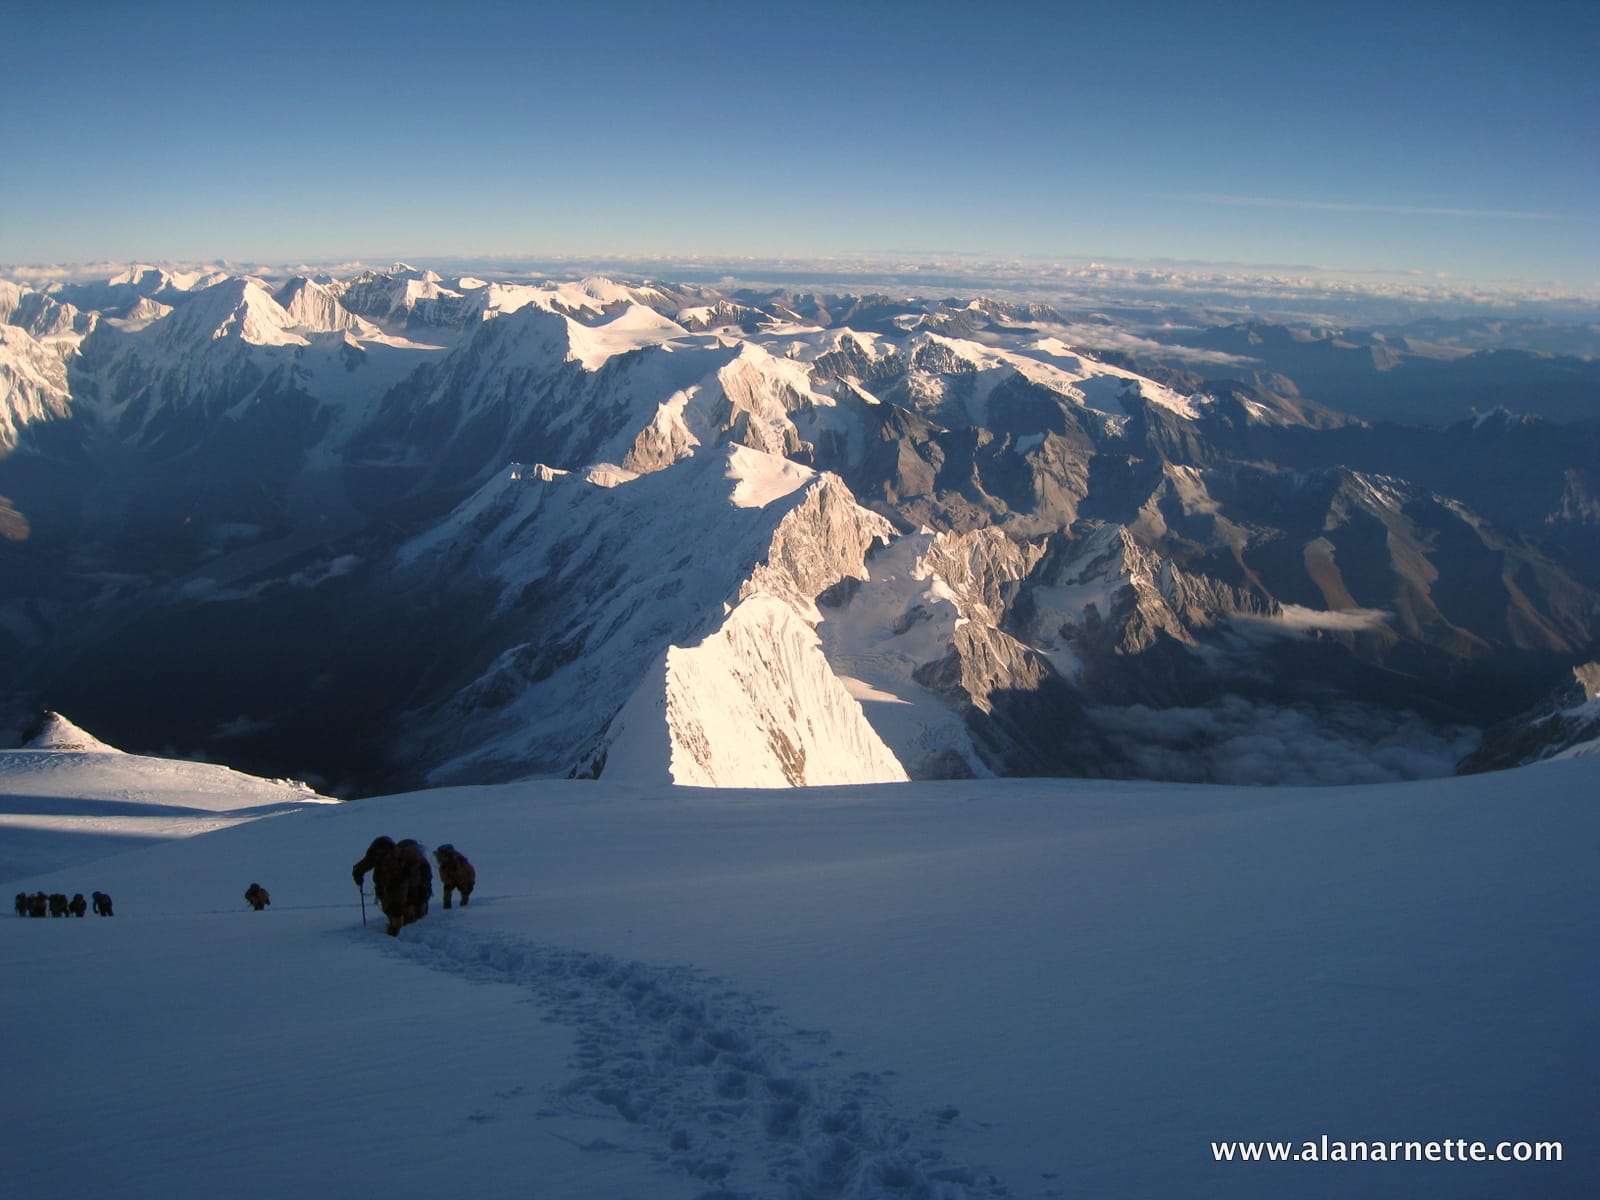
<point>314,306</point>
<point>144,279</point>
<point>238,309</point>
<point>55,732</point>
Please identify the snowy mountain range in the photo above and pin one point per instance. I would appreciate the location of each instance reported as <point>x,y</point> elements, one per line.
<point>400,527</point>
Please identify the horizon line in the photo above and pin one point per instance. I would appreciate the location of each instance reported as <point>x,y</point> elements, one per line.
<point>1196,271</point>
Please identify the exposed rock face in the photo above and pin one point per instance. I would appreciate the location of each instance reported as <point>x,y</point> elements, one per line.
<point>33,385</point>
<point>951,692</point>
<point>1010,635</point>
<point>1110,595</point>
<point>822,541</point>
<point>720,315</point>
<point>1588,677</point>
<point>43,316</point>
<point>1017,708</point>
<point>1567,721</point>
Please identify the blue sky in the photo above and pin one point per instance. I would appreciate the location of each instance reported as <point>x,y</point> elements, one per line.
<point>1459,139</point>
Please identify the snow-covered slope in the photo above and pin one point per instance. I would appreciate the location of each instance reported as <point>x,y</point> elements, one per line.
<point>313,306</point>
<point>67,792</point>
<point>239,309</point>
<point>959,991</point>
<point>612,585</point>
<point>55,732</point>
<point>403,296</point>
<point>44,316</point>
<point>33,385</point>
<point>752,705</point>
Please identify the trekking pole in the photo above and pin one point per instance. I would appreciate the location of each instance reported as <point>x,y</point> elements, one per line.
<point>363,889</point>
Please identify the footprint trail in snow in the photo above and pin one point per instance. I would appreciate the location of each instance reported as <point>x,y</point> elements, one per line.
<point>718,1084</point>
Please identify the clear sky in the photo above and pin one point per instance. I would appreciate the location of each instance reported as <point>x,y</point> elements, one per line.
<point>1454,138</point>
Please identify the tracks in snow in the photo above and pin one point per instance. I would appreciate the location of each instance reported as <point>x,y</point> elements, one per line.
<point>719,1084</point>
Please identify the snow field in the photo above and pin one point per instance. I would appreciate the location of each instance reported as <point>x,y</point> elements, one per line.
<point>62,807</point>
<point>974,989</point>
<point>737,1095</point>
<point>203,1056</point>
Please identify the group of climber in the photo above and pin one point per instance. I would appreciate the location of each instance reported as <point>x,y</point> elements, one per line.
<point>57,905</point>
<point>402,880</point>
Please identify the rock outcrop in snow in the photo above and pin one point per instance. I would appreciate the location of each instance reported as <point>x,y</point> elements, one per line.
<point>1109,594</point>
<point>55,732</point>
<point>1564,725</point>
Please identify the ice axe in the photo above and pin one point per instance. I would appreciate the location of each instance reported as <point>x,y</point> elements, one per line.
<point>362,888</point>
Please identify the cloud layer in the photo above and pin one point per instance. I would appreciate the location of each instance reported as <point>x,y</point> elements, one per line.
<point>1235,741</point>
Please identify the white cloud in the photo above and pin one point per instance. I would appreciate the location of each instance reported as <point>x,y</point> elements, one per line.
<point>1295,619</point>
<point>1107,337</point>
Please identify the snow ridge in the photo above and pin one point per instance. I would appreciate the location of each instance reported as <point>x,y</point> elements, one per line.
<point>236,309</point>
<point>719,1084</point>
<point>33,385</point>
<point>312,306</point>
<point>699,586</point>
<point>755,705</point>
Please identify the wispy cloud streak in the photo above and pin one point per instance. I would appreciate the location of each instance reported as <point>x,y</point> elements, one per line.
<point>1408,210</point>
